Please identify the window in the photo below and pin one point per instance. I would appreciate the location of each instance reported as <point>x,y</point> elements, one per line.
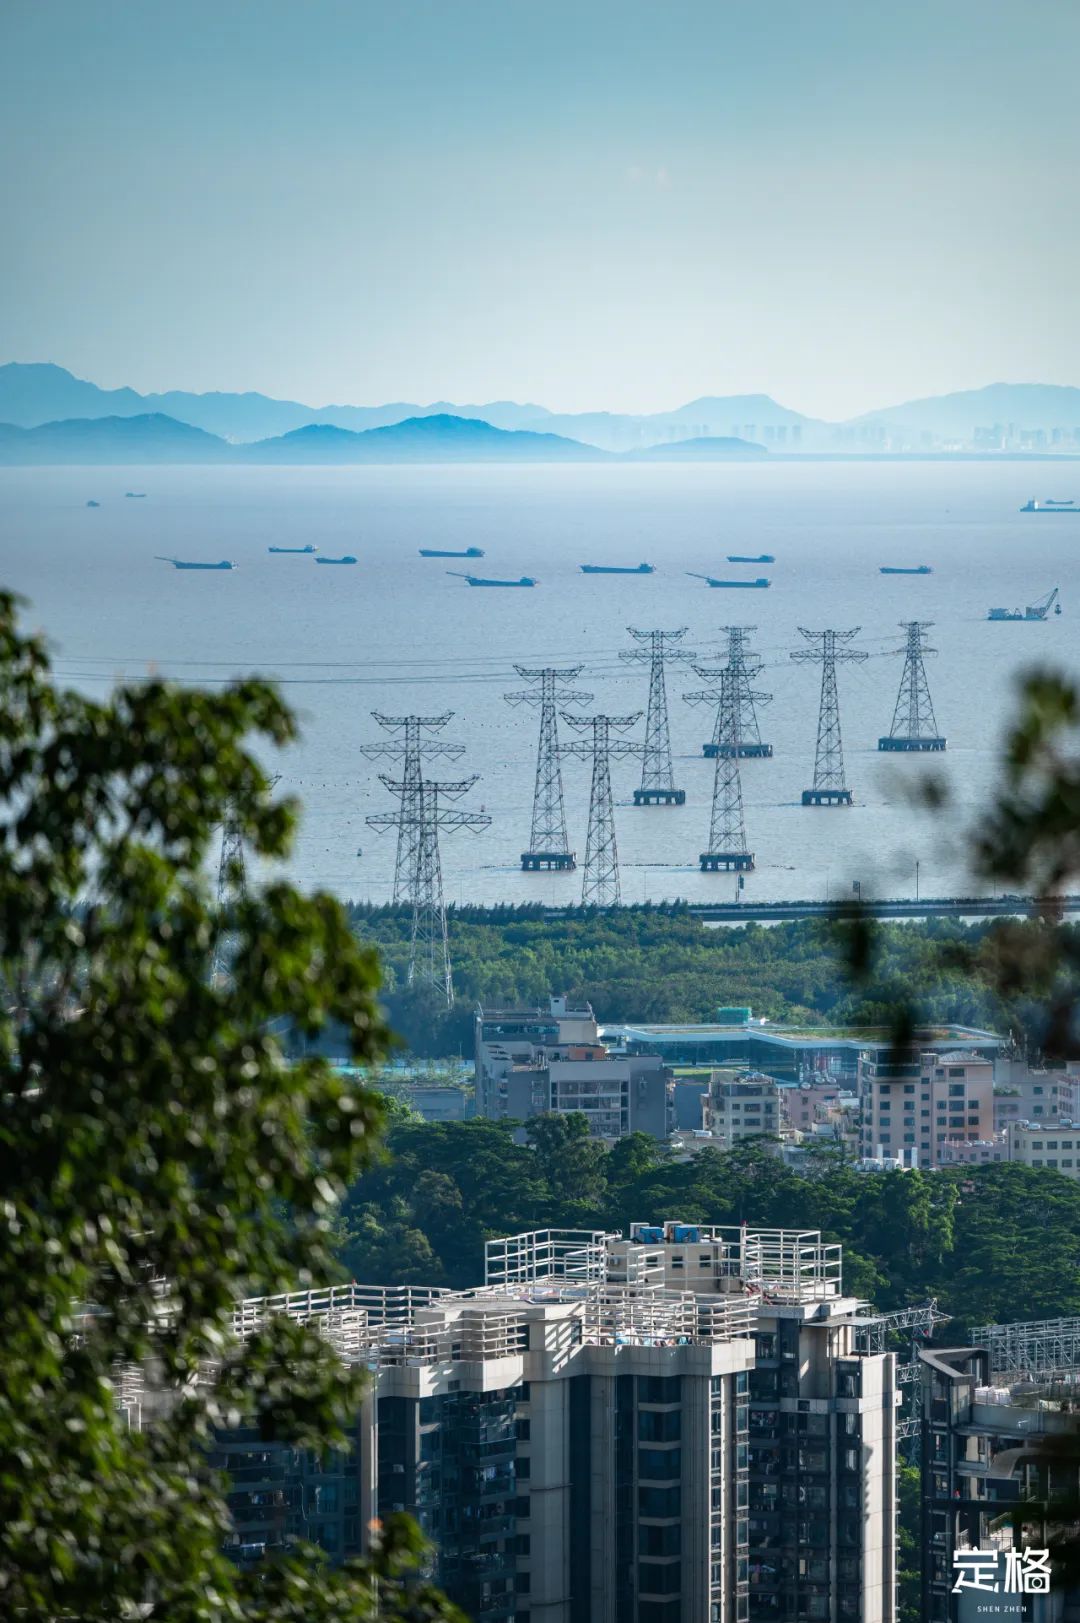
<point>657,1579</point>
<point>659,1540</point>
<point>660,1502</point>
<point>909,1087</point>
<point>956,1070</point>
<point>659,1426</point>
<point>658,1389</point>
<point>660,1464</point>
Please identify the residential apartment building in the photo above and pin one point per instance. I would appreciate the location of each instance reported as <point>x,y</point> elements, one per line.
<point>1054,1145</point>
<point>807,1105</point>
<point>916,1103</point>
<point>1024,1095</point>
<point>738,1107</point>
<point>673,1427</point>
<point>983,1477</point>
<point>529,1062</point>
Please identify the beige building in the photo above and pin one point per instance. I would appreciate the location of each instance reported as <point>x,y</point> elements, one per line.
<point>1024,1095</point>
<point>1056,1146</point>
<point>914,1106</point>
<point>737,1108</point>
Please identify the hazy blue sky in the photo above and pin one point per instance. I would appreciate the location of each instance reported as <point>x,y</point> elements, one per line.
<point>589,203</point>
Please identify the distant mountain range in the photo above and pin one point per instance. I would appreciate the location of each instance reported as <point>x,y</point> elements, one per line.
<point>1002,416</point>
<point>1016,413</point>
<point>155,438</point>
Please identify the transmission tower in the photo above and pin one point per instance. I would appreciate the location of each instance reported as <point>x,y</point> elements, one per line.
<point>727,849</point>
<point>743,666</point>
<point>412,741</point>
<point>829,786</point>
<point>914,726</point>
<point>600,882</point>
<point>231,890</point>
<point>231,887</point>
<point>419,810</point>
<point>657,777</point>
<point>548,845</point>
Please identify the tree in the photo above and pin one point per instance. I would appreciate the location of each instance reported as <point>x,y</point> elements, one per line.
<point>158,1158</point>
<point>568,1158</point>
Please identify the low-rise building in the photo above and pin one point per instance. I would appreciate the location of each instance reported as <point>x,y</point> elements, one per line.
<point>1021,1094</point>
<point>531,1062</point>
<point>740,1106</point>
<point>1053,1145</point>
<point>916,1103</point>
<point>807,1104</point>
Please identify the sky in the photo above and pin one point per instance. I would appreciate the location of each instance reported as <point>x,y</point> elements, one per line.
<point>591,204</point>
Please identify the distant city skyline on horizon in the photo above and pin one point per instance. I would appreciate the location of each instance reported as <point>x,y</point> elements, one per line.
<point>591,208</point>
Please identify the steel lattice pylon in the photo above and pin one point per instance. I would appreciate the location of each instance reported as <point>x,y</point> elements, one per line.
<point>727,848</point>
<point>600,881</point>
<point>419,809</point>
<point>914,725</point>
<point>1033,1349</point>
<point>657,775</point>
<point>829,788</point>
<point>549,847</point>
<point>412,743</point>
<point>744,666</point>
<point>231,890</point>
<point>231,887</point>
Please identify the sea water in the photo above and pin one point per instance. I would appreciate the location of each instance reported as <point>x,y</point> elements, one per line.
<point>398,633</point>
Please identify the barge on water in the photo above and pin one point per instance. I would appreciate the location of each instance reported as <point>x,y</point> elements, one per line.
<point>479,580</point>
<point>347,559</point>
<point>739,558</point>
<point>907,569</point>
<point>759,585</point>
<point>308,548</point>
<point>186,563</point>
<point>437,552</point>
<point>618,569</point>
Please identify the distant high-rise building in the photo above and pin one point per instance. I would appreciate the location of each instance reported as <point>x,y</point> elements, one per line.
<point>531,1062</point>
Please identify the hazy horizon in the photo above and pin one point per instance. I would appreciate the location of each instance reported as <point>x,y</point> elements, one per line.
<point>599,208</point>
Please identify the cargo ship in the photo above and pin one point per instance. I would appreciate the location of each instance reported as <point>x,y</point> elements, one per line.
<point>762,558</point>
<point>618,569</point>
<point>758,585</point>
<point>1049,506</point>
<point>135,495</point>
<point>479,580</point>
<point>185,563</point>
<point>909,569</point>
<point>308,548</point>
<point>436,552</point>
<point>348,559</point>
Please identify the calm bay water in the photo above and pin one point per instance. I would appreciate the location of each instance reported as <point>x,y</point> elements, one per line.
<point>397,633</point>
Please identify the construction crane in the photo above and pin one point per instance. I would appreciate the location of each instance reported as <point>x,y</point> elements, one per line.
<point>1034,611</point>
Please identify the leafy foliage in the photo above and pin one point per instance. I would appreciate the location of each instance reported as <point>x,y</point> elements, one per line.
<point>152,1140</point>
<point>992,1243</point>
<point>936,971</point>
